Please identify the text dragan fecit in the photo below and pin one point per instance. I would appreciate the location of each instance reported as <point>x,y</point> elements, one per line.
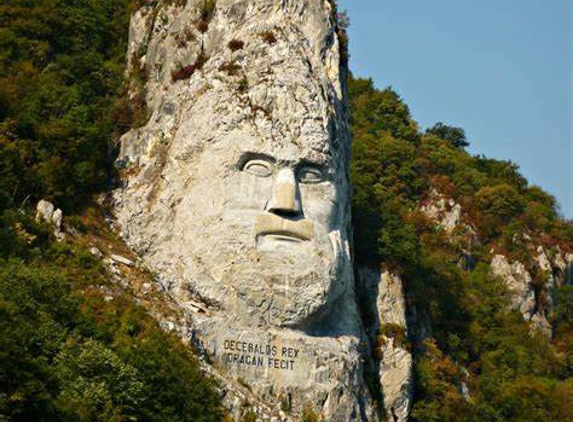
<point>260,355</point>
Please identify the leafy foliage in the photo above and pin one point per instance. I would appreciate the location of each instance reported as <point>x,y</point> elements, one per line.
<point>61,72</point>
<point>70,349</point>
<point>512,374</point>
<point>454,135</point>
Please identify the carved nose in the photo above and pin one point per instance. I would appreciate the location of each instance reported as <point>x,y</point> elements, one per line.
<point>285,200</point>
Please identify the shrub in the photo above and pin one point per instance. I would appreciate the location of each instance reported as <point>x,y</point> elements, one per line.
<point>206,13</point>
<point>183,72</point>
<point>69,353</point>
<point>235,45</point>
<point>395,331</point>
<point>501,202</point>
<point>454,135</point>
<point>180,40</point>
<point>230,68</point>
<point>308,414</point>
<point>269,37</point>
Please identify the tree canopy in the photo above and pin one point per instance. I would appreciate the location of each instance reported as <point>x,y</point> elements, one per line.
<point>69,351</point>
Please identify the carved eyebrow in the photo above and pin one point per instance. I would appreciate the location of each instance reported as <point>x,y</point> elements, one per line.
<point>319,164</point>
<point>248,156</point>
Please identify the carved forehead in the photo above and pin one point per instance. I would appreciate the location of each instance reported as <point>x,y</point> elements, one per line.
<point>281,95</point>
<point>223,137</point>
<point>271,115</point>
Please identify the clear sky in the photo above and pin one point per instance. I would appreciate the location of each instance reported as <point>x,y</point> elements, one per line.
<point>500,69</point>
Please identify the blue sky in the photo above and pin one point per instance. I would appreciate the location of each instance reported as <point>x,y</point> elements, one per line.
<point>502,70</point>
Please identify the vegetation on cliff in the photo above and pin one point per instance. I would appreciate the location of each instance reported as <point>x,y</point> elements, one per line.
<point>512,373</point>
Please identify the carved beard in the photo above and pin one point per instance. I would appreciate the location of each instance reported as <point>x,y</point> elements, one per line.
<point>283,288</point>
<point>292,287</point>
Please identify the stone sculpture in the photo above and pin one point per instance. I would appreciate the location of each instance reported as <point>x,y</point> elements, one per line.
<point>236,193</point>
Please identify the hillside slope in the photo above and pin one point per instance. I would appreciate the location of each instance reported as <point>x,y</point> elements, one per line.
<point>485,261</point>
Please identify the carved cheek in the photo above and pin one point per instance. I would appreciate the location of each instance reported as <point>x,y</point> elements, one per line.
<point>245,191</point>
<point>320,205</point>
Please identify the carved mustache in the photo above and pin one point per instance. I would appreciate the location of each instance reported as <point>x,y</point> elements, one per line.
<point>268,224</point>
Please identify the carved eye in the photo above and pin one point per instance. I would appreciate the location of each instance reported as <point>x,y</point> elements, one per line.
<point>310,175</point>
<point>259,168</point>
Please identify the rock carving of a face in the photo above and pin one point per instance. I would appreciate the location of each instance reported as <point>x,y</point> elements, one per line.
<point>242,197</point>
<point>270,228</point>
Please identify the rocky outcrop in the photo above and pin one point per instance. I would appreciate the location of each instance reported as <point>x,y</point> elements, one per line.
<point>519,282</point>
<point>385,323</point>
<point>46,212</point>
<point>562,266</point>
<point>446,212</point>
<point>532,291</point>
<point>531,284</point>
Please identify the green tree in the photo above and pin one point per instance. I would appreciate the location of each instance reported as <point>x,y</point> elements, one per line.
<point>454,135</point>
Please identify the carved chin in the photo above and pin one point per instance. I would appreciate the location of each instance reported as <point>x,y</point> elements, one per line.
<point>309,298</point>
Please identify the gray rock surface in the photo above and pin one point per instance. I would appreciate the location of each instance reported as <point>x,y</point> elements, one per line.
<point>562,264</point>
<point>384,316</point>
<point>122,260</point>
<point>96,252</point>
<point>535,304</point>
<point>47,212</point>
<point>236,194</point>
<point>446,212</point>
<point>519,282</point>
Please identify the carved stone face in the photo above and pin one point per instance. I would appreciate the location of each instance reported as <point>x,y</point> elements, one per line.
<point>240,195</point>
<point>266,225</point>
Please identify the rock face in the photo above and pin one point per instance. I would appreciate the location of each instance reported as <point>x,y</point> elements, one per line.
<point>444,211</point>
<point>448,216</point>
<point>531,287</point>
<point>386,328</point>
<point>47,212</point>
<point>236,194</point>
<point>534,299</point>
<point>519,282</point>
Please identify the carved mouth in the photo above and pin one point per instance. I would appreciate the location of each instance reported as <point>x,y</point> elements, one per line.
<point>283,236</point>
<point>277,228</point>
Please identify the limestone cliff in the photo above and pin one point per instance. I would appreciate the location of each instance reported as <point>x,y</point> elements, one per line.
<point>236,194</point>
<point>383,302</point>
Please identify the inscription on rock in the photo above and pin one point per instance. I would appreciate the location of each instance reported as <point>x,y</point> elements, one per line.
<point>246,353</point>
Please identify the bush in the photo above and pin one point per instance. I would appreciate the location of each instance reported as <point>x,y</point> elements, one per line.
<point>501,202</point>
<point>309,415</point>
<point>60,77</point>
<point>235,45</point>
<point>269,37</point>
<point>185,72</point>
